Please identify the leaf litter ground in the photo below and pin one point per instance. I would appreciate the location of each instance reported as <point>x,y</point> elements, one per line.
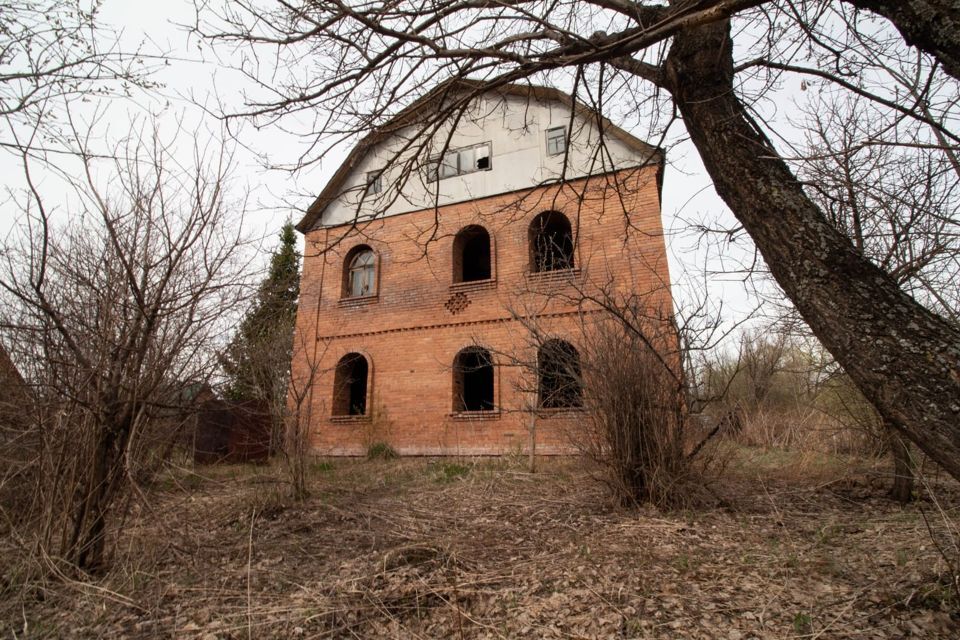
<point>418,548</point>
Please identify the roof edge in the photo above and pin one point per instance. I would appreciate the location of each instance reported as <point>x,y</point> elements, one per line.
<point>332,190</point>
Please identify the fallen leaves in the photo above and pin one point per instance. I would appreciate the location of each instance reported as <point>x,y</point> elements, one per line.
<point>500,554</point>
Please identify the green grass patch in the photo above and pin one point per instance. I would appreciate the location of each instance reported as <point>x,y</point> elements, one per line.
<point>450,471</point>
<point>322,466</point>
<point>381,451</point>
<point>802,623</point>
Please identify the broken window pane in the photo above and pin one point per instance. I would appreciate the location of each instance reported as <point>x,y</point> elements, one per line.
<point>459,162</point>
<point>481,157</point>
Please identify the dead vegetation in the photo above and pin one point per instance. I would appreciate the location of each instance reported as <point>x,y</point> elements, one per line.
<point>799,546</point>
<point>635,428</point>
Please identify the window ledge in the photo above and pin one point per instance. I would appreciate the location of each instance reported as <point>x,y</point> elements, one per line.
<point>358,301</point>
<point>349,419</point>
<point>474,285</point>
<point>560,412</point>
<point>469,416</point>
<point>557,275</point>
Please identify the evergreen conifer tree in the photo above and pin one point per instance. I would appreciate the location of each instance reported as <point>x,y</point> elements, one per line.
<point>257,361</point>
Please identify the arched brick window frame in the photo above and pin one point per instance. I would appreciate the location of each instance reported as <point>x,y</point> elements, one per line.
<point>551,243</point>
<point>473,255</point>
<point>361,273</point>
<point>474,380</point>
<point>559,376</point>
<point>352,385</point>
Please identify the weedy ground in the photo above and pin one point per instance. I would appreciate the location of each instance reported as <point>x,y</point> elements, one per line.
<point>793,546</point>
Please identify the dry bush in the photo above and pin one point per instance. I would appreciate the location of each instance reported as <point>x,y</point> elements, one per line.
<point>803,429</point>
<point>631,379</point>
<point>636,419</point>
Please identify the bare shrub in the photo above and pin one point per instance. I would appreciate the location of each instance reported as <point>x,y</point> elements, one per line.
<point>636,421</point>
<point>635,416</point>
<point>623,374</point>
<point>115,315</point>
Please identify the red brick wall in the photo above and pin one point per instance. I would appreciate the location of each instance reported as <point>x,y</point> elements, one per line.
<point>419,320</point>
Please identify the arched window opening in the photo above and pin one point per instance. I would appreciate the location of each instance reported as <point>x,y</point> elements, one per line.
<point>350,386</point>
<point>560,383</point>
<point>551,242</point>
<point>359,276</point>
<point>471,254</point>
<point>473,380</point>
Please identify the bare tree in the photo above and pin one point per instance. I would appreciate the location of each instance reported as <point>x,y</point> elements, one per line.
<point>117,309</point>
<point>670,62</point>
<point>303,370</point>
<point>54,50</point>
<point>895,196</point>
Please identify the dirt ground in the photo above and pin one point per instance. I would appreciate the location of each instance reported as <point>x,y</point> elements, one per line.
<point>419,548</point>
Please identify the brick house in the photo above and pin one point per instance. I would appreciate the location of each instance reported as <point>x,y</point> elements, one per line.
<point>448,270</point>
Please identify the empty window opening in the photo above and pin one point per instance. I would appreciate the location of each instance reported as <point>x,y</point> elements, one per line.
<point>457,162</point>
<point>360,273</point>
<point>559,380</point>
<point>471,254</point>
<point>374,182</point>
<point>551,242</point>
<point>350,386</point>
<point>473,380</point>
<point>556,141</point>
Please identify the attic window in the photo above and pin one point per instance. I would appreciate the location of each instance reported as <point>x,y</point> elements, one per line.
<point>457,162</point>
<point>556,141</point>
<point>374,182</point>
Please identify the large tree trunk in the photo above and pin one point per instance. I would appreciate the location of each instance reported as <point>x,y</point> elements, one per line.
<point>905,359</point>
<point>902,489</point>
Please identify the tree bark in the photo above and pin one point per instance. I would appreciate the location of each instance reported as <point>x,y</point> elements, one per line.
<point>905,359</point>
<point>902,489</point>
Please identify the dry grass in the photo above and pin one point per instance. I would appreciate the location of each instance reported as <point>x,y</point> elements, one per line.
<point>801,546</point>
<point>806,429</point>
